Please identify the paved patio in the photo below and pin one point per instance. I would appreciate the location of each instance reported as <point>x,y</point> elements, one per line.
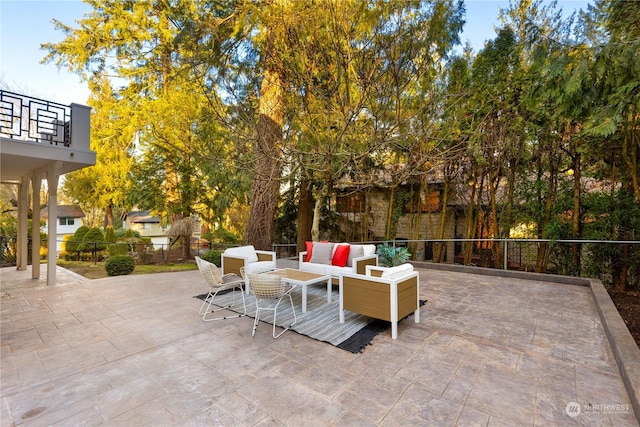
<point>131,350</point>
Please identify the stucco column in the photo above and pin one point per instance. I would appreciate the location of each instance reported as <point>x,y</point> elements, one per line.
<point>36,181</point>
<point>53,174</point>
<point>23,215</point>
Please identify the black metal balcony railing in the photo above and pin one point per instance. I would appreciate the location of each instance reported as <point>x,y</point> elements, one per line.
<point>31,119</point>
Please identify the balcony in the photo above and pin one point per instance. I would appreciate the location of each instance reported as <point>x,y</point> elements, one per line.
<point>40,140</point>
<point>35,133</point>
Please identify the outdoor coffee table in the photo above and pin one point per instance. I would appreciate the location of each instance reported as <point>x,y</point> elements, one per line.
<point>304,279</point>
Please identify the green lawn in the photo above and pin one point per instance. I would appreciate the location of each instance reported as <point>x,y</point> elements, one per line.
<point>97,271</point>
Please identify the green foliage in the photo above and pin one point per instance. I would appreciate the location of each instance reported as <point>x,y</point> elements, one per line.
<point>9,225</point>
<point>123,234</point>
<point>613,216</point>
<point>284,227</point>
<point>390,256</point>
<point>109,235</point>
<point>120,265</point>
<point>74,244</point>
<point>369,85</point>
<point>118,249</point>
<point>9,232</point>
<point>144,249</point>
<point>213,256</point>
<point>399,203</point>
<point>93,241</point>
<point>220,235</point>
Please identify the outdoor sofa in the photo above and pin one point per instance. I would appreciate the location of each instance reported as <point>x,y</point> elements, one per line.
<point>335,259</point>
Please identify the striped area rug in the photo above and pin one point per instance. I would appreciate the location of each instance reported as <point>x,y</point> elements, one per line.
<point>320,322</point>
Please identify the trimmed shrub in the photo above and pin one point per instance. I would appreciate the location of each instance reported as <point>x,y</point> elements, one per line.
<point>109,235</point>
<point>212,256</point>
<point>122,233</point>
<point>73,244</point>
<point>93,241</point>
<point>120,265</point>
<point>118,249</point>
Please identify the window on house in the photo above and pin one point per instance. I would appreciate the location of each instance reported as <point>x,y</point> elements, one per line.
<point>429,202</point>
<point>352,202</point>
<point>66,221</point>
<point>144,226</point>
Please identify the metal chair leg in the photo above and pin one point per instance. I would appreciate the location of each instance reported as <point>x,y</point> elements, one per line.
<point>209,300</point>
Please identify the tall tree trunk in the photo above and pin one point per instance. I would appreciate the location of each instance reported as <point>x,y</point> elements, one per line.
<point>575,219</point>
<point>631,152</point>
<point>414,224</point>
<point>317,211</point>
<point>620,269</point>
<point>439,248</point>
<point>305,215</point>
<point>471,220</point>
<point>266,181</point>
<point>389,225</point>
<point>186,247</point>
<point>108,216</point>
<point>544,249</point>
<point>496,247</point>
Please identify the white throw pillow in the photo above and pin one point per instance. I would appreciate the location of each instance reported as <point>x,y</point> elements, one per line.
<point>397,271</point>
<point>355,251</point>
<point>369,250</point>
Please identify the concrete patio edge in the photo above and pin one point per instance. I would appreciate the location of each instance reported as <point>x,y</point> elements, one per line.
<point>623,346</point>
<point>622,343</point>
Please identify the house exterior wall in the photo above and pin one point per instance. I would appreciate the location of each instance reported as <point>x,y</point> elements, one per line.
<point>64,230</point>
<point>152,230</point>
<point>149,226</point>
<point>428,224</point>
<point>160,242</point>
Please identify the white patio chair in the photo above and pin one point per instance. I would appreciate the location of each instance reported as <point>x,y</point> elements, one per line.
<point>218,283</point>
<point>269,290</point>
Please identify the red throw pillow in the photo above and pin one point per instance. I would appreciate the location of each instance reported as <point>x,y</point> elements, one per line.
<point>309,246</point>
<point>341,255</point>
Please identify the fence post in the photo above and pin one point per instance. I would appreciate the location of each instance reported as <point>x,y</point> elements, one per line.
<point>506,252</point>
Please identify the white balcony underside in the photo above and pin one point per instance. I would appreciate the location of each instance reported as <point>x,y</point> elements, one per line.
<point>24,158</point>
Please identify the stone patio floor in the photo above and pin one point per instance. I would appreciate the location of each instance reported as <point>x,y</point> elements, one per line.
<point>132,351</point>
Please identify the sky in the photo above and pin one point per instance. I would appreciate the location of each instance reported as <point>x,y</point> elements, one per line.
<point>26,24</point>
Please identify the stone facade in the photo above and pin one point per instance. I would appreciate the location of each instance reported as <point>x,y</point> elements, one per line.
<point>410,226</point>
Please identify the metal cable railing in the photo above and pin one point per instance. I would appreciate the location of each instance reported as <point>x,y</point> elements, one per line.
<point>606,260</point>
<point>602,259</point>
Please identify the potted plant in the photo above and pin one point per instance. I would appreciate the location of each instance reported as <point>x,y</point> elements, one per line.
<point>390,256</point>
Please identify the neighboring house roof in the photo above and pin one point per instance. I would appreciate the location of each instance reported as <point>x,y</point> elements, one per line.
<point>64,211</point>
<point>139,216</point>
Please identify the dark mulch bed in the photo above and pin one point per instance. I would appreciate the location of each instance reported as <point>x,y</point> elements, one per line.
<point>628,305</point>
